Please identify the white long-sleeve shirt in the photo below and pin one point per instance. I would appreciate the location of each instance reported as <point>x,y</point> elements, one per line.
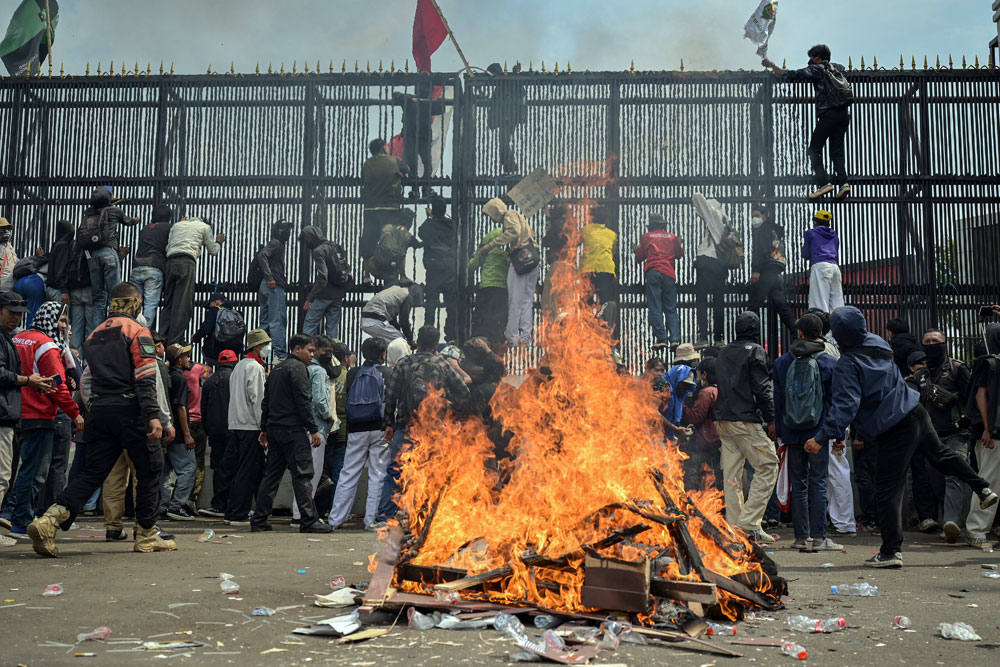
<point>189,236</point>
<point>246,395</point>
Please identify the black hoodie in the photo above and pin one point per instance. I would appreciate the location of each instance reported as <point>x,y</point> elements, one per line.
<point>324,254</point>
<point>100,198</point>
<point>270,259</point>
<point>746,393</point>
<point>59,255</point>
<point>903,345</point>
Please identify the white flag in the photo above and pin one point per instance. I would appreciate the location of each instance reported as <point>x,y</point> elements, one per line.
<point>761,24</point>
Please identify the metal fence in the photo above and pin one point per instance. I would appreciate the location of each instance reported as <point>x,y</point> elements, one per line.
<point>919,235</point>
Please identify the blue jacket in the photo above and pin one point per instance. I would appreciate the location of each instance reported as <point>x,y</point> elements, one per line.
<point>800,348</point>
<point>821,244</point>
<point>867,391</point>
<point>674,377</point>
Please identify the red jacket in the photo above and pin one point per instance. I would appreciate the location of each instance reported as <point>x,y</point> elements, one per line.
<point>659,248</point>
<point>40,354</point>
<point>702,416</point>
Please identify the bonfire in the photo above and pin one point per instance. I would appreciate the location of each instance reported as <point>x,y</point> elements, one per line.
<point>586,514</point>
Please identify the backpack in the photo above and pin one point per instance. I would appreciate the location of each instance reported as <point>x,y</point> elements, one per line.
<point>338,270</point>
<point>94,231</point>
<point>254,274</point>
<point>804,394</point>
<point>366,397</point>
<point>390,253</point>
<point>730,249</point>
<point>418,386</point>
<point>838,89</point>
<point>230,328</point>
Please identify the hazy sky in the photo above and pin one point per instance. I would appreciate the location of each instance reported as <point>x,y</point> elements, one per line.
<point>592,34</point>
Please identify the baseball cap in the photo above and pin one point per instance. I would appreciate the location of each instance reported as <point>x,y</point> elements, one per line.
<point>176,351</point>
<point>217,296</point>
<point>823,216</point>
<point>226,356</point>
<point>915,358</point>
<point>13,302</point>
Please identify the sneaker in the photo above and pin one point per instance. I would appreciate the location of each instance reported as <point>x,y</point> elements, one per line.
<point>701,344</point>
<point>261,527</point>
<point>376,526</point>
<point>325,484</point>
<point>5,521</point>
<point>211,513</point>
<point>238,522</point>
<point>821,191</point>
<point>844,190</point>
<point>19,532</point>
<point>987,498</point>
<point>761,537</point>
<point>317,527</point>
<point>951,532</point>
<point>882,560</point>
<point>975,542</point>
<point>845,533</point>
<point>826,544</point>
<point>7,541</point>
<point>180,514</point>
<point>115,535</point>
<point>800,544</point>
<point>295,523</point>
<point>928,526</point>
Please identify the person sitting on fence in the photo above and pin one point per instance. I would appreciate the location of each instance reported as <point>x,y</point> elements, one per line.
<point>151,260</point>
<point>767,265</point>
<point>333,276</point>
<point>381,196</point>
<point>388,263</point>
<point>821,246</point>
<point>834,97</point>
<point>387,314</point>
<point>184,246</point>
<point>440,239</point>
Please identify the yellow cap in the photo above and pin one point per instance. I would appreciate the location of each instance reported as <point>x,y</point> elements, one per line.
<point>823,216</point>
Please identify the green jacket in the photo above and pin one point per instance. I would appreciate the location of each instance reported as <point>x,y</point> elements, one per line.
<point>494,265</point>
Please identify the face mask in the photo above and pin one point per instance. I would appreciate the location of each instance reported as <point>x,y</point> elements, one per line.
<point>756,221</point>
<point>936,353</point>
<point>326,358</point>
<point>5,236</point>
<point>265,351</point>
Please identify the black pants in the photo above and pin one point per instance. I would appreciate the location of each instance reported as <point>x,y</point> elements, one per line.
<point>895,449</point>
<point>417,144</point>
<point>287,450</point>
<point>771,287</point>
<point>864,477</point>
<point>924,500</point>
<point>113,426</point>
<point>247,459</point>
<point>489,317</point>
<point>831,126</point>
<point>710,280</point>
<point>222,470</point>
<point>178,298</point>
<point>442,282</point>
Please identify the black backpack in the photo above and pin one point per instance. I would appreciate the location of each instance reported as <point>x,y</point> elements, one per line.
<point>94,231</point>
<point>230,329</point>
<point>338,270</point>
<point>839,90</point>
<point>254,274</point>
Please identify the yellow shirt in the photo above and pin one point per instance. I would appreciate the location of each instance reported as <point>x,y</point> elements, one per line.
<point>598,244</point>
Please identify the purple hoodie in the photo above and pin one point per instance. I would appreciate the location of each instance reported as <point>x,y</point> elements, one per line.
<point>821,244</point>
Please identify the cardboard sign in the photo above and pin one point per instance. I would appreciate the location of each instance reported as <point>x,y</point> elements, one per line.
<point>533,192</point>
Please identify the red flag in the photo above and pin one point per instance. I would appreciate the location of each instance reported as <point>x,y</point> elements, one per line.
<point>429,32</point>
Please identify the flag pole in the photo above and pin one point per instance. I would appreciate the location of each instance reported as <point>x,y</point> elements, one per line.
<point>454,41</point>
<point>48,35</point>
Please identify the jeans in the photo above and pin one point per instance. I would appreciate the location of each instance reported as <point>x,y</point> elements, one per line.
<point>180,459</point>
<point>36,451</point>
<point>105,273</point>
<point>390,487</point>
<point>149,280</point>
<point>661,301</point>
<point>895,449</point>
<point>807,473</point>
<point>831,126</point>
<point>331,309</point>
<point>274,316</point>
<point>81,314</point>
<point>710,280</point>
<point>380,329</point>
<point>771,286</point>
<point>55,482</point>
<point>178,298</point>
<point>32,289</point>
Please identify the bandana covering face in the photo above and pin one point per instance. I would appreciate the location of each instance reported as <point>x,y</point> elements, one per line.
<point>47,319</point>
<point>126,305</point>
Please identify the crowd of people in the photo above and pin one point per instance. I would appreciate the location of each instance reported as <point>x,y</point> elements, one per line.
<point>90,360</point>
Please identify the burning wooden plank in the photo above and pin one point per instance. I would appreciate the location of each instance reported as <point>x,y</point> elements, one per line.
<point>615,584</point>
<point>684,591</point>
<point>388,554</point>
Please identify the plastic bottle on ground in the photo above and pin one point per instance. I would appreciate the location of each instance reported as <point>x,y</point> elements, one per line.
<point>546,621</point>
<point>509,624</point>
<point>991,574</point>
<point>806,624</point>
<point>262,611</point>
<point>229,587</point>
<point>207,535</point>
<point>902,622</point>
<point>98,634</point>
<point>451,597</point>
<point>794,650</point>
<point>863,589</point>
<point>52,589</point>
<point>721,629</point>
<point>958,630</point>
<point>418,621</point>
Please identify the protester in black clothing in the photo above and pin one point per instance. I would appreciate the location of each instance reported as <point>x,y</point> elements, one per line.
<point>418,110</point>
<point>104,255</point>
<point>59,256</point>
<point>902,342</point>
<point>287,431</point>
<point>215,421</point>
<point>509,109</point>
<point>211,347</point>
<point>325,298</point>
<point>833,111</point>
<point>767,265</point>
<point>267,275</point>
<point>440,241</point>
<point>151,260</point>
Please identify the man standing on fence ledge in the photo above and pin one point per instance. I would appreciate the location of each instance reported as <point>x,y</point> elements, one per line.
<point>381,195</point>
<point>834,96</point>
<point>325,298</point>
<point>821,247</point>
<point>269,265</point>
<point>522,276</point>
<point>657,250</point>
<point>184,245</point>
<point>710,271</point>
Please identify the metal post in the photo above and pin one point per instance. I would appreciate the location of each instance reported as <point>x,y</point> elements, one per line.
<point>308,189</point>
<point>925,173</point>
